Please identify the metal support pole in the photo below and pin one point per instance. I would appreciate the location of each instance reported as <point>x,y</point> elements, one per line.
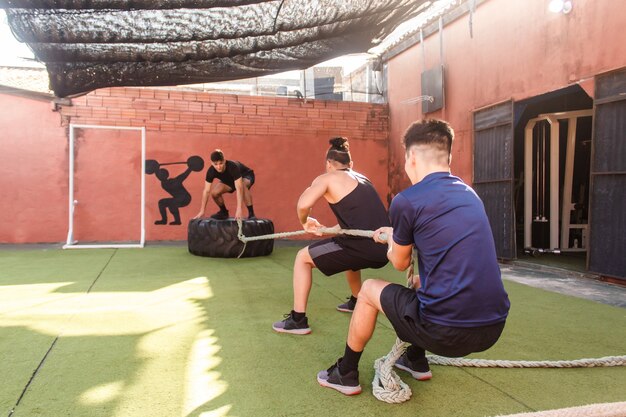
<point>554,183</point>
<point>528,183</point>
<point>142,240</point>
<point>70,228</point>
<point>567,182</point>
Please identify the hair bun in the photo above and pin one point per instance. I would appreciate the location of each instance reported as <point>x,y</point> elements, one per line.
<point>339,143</point>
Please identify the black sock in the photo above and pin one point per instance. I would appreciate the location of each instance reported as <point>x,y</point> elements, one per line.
<point>350,361</point>
<point>415,353</point>
<point>223,208</point>
<point>250,211</point>
<point>353,298</point>
<point>297,316</point>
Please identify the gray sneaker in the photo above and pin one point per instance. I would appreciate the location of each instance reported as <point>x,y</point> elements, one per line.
<point>346,384</point>
<point>348,306</point>
<point>289,325</point>
<point>418,369</point>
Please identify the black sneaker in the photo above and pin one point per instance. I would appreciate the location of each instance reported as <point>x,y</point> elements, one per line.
<point>418,369</point>
<point>220,215</point>
<point>346,384</point>
<point>289,325</point>
<point>348,306</point>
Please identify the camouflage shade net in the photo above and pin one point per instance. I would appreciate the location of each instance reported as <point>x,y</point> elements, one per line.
<point>89,44</point>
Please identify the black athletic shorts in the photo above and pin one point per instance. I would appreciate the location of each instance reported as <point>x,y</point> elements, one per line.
<point>249,176</point>
<point>440,340</point>
<point>330,258</point>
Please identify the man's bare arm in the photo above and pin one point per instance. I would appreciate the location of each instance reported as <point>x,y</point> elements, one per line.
<point>398,255</point>
<point>205,198</point>
<point>239,187</point>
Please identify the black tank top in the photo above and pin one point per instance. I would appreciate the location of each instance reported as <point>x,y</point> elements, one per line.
<point>361,209</point>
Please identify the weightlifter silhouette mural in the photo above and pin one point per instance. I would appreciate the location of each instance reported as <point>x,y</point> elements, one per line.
<point>174,186</point>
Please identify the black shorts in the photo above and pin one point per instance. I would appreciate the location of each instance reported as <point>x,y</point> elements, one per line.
<point>438,339</point>
<point>249,176</point>
<point>330,258</point>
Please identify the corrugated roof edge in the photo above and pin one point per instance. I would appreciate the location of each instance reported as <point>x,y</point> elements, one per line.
<point>412,37</point>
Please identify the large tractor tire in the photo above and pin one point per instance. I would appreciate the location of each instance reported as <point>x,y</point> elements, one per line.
<point>218,238</point>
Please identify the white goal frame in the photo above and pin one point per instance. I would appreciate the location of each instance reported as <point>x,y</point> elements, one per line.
<point>71,243</point>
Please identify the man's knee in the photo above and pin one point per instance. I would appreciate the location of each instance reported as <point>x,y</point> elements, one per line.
<point>304,257</point>
<point>366,288</point>
<point>371,290</point>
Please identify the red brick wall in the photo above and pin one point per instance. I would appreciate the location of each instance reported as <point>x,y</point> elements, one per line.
<point>196,112</point>
<point>283,139</point>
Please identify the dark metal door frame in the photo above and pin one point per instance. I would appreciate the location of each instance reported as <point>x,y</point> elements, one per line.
<point>607,199</point>
<point>493,172</point>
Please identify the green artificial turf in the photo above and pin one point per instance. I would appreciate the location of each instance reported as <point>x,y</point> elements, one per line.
<point>160,332</point>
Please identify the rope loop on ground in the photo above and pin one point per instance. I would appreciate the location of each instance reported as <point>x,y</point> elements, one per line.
<point>387,385</point>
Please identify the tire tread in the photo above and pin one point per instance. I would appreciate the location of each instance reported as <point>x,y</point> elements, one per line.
<point>218,238</point>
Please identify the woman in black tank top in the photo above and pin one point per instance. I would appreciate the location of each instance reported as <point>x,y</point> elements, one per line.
<point>359,208</point>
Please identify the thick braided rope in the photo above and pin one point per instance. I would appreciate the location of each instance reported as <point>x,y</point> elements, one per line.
<point>323,230</point>
<point>605,361</point>
<point>592,410</point>
<point>387,385</point>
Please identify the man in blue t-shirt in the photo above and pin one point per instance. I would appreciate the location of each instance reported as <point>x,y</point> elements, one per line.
<point>458,305</point>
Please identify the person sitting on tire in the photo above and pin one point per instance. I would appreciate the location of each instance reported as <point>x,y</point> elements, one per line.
<point>356,204</point>
<point>231,176</point>
<point>461,305</point>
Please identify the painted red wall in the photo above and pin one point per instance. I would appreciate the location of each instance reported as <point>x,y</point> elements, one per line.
<point>519,49</point>
<point>283,139</point>
<point>33,163</point>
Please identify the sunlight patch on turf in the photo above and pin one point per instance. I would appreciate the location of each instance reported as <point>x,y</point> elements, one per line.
<point>176,352</point>
<point>103,393</point>
<point>17,298</point>
<point>103,313</point>
<point>203,385</point>
<point>218,412</point>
